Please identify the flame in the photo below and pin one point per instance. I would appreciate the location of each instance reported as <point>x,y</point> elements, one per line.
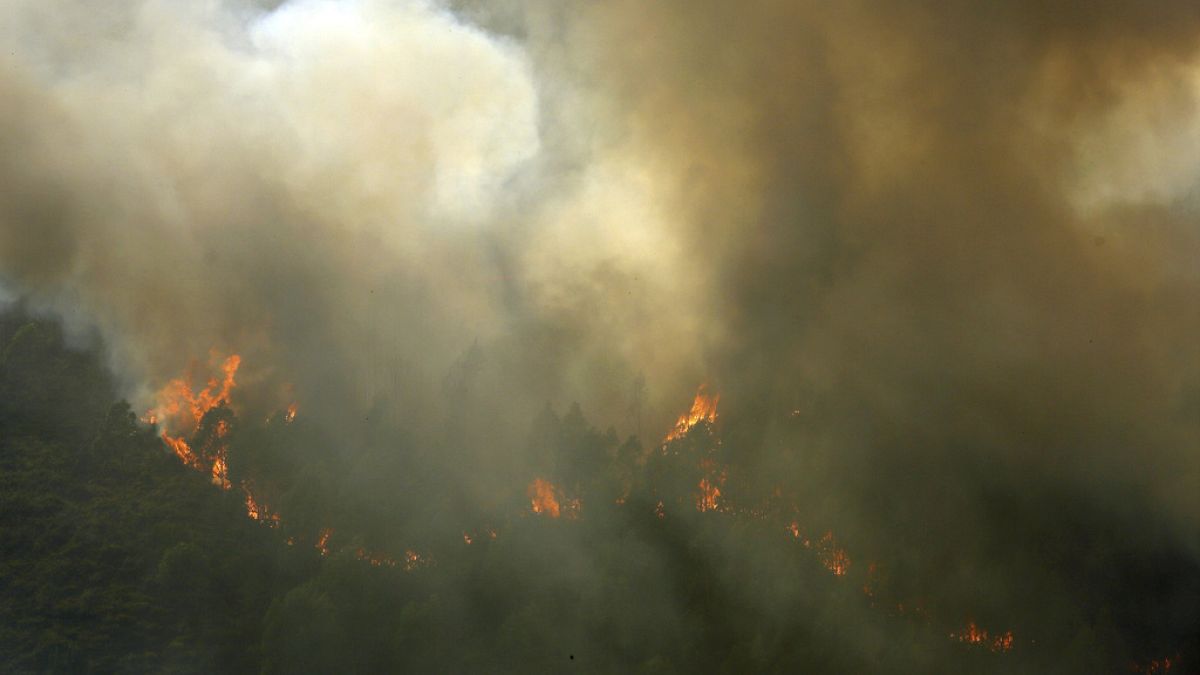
<point>710,485</point>
<point>176,400</point>
<point>704,409</point>
<point>181,450</point>
<point>414,560</point>
<point>542,498</point>
<point>290,414</point>
<point>794,529</point>
<point>974,635</point>
<point>323,540</point>
<point>375,559</point>
<point>180,410</point>
<point>707,499</point>
<point>256,511</point>
<point>220,472</point>
<point>1155,666</point>
<point>545,498</point>
<point>871,581</point>
<point>833,558</point>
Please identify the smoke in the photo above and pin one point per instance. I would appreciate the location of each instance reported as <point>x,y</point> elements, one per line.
<point>324,187</point>
<point>939,261</point>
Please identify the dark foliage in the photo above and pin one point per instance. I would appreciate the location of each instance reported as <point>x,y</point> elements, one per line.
<point>116,558</point>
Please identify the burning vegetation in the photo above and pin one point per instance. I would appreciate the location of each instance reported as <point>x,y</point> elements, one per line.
<point>703,410</point>
<point>180,411</point>
<point>974,635</point>
<point>692,445</point>
<point>659,498</point>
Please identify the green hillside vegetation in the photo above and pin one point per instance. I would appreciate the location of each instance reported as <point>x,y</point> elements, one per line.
<point>114,557</point>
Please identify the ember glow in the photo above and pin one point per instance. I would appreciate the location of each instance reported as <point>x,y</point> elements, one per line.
<point>323,540</point>
<point>974,635</point>
<point>834,558</point>
<point>1155,666</point>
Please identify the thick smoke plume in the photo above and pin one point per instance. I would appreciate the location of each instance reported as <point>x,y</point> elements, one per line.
<point>330,188</point>
<point>939,260</point>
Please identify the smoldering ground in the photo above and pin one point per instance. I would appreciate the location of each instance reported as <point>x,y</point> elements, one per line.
<point>938,260</point>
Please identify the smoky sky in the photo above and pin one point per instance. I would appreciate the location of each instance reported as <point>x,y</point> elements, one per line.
<point>925,251</point>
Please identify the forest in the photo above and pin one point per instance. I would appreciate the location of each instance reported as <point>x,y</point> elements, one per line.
<point>115,556</point>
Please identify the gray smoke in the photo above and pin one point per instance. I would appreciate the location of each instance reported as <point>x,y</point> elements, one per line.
<point>939,260</point>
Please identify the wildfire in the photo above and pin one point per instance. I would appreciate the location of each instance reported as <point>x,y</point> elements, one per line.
<point>707,499</point>
<point>290,414</point>
<point>871,581</point>
<point>323,540</point>
<point>833,558</point>
<point>414,560</point>
<point>704,409</point>
<point>469,538</point>
<point>181,450</point>
<point>220,471</point>
<point>180,410</point>
<point>710,485</point>
<point>1155,666</point>
<point>257,512</point>
<point>375,559</point>
<point>547,499</point>
<point>974,635</point>
<point>542,498</point>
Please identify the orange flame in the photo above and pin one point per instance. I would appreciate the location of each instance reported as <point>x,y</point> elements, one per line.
<point>833,558</point>
<point>290,414</point>
<point>542,498</point>
<point>256,511</point>
<point>974,635</point>
<point>414,560</point>
<point>323,540</point>
<point>704,409</point>
<point>1155,666</point>
<point>181,450</point>
<point>220,472</point>
<point>180,410</point>
<point>547,499</point>
<point>710,485</point>
<point>707,499</point>
<point>375,559</point>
